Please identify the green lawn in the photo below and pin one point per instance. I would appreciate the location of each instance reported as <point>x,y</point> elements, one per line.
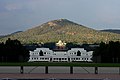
<point>62,64</point>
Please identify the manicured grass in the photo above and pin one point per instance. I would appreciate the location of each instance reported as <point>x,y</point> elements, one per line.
<point>77,64</point>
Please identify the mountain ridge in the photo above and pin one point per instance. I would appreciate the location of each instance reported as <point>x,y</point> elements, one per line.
<point>2,36</point>
<point>65,30</point>
<point>112,30</point>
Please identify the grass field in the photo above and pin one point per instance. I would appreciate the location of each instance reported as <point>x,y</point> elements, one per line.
<point>62,64</point>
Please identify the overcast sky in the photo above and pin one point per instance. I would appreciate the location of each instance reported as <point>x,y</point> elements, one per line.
<point>17,15</point>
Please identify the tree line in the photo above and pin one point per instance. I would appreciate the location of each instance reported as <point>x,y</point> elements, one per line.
<point>107,53</point>
<point>13,51</point>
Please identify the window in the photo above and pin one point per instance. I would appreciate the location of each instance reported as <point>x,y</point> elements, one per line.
<point>35,58</point>
<point>60,59</point>
<point>45,53</point>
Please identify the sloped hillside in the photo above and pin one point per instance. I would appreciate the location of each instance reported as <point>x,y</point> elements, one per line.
<point>63,29</point>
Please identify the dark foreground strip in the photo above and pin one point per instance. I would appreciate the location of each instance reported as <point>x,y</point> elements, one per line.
<point>52,79</point>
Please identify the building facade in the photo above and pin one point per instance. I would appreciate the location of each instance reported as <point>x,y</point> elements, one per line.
<point>72,55</point>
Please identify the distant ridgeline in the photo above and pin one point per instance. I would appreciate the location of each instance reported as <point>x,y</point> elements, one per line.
<point>65,30</point>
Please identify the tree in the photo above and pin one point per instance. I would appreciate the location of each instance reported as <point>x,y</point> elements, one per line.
<point>2,51</point>
<point>41,53</point>
<point>109,53</point>
<point>14,51</point>
<point>78,53</point>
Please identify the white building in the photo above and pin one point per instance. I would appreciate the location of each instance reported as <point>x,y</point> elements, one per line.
<point>75,54</point>
<point>60,54</point>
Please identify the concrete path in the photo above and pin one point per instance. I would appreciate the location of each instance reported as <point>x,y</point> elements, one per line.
<point>63,76</point>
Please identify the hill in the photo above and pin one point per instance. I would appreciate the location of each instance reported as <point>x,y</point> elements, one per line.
<point>112,30</point>
<point>2,36</point>
<point>63,29</point>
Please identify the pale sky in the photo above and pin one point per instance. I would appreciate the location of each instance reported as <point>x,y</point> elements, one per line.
<point>20,15</point>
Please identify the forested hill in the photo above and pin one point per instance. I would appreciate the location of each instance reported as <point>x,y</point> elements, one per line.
<point>65,30</point>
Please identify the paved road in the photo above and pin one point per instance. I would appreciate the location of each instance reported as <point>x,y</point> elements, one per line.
<point>38,69</point>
